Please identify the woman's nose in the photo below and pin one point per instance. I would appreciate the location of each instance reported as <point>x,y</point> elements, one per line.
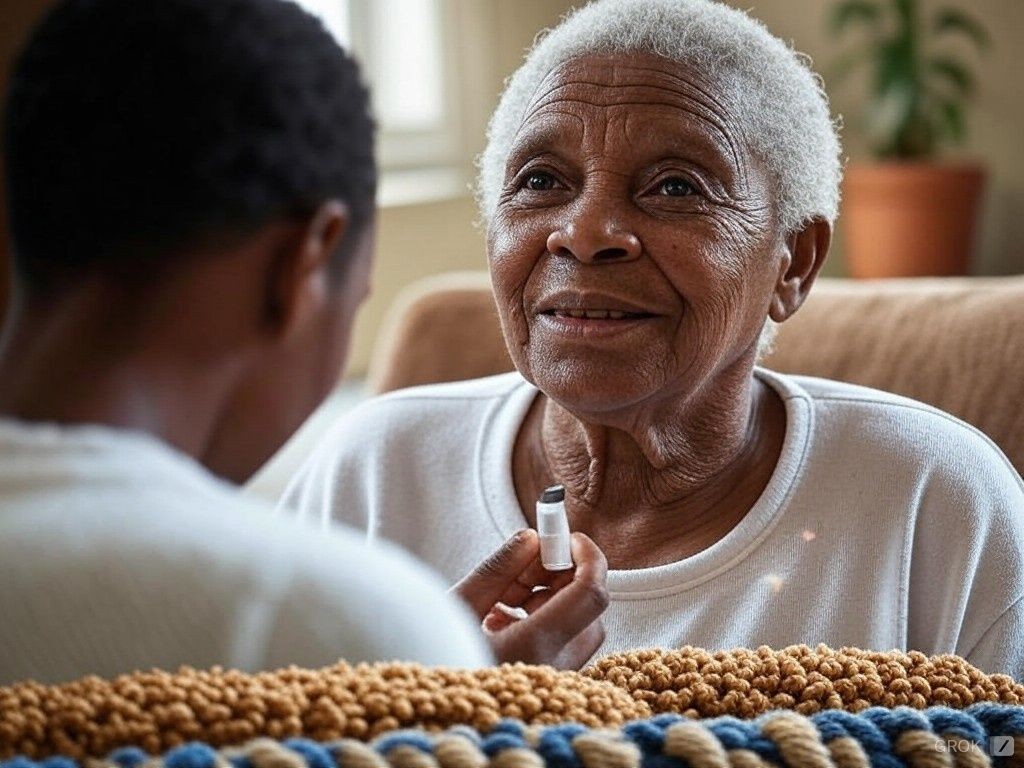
<point>594,242</point>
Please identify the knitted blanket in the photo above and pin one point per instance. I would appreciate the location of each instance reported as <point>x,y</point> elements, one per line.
<point>154,712</point>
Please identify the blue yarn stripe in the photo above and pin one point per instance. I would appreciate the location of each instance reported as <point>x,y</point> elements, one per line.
<point>661,761</point>
<point>646,735</point>
<point>192,755</point>
<point>315,755</point>
<point>513,727</point>
<point>499,742</point>
<point>404,739</point>
<point>555,746</point>
<point>128,757</point>
<point>946,720</point>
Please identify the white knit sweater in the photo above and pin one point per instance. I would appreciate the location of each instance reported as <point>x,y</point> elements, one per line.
<point>117,553</point>
<point>886,524</point>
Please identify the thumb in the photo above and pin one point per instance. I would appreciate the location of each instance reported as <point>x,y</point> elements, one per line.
<point>485,586</point>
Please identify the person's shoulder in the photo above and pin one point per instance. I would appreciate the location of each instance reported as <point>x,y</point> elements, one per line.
<point>884,410</point>
<point>190,547</point>
<point>373,602</point>
<point>908,432</point>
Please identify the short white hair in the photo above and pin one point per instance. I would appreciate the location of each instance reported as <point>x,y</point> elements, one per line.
<point>782,106</point>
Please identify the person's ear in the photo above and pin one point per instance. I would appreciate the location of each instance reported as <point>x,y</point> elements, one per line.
<point>301,271</point>
<point>804,253</point>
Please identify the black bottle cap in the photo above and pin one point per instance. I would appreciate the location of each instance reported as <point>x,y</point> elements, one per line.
<point>553,495</point>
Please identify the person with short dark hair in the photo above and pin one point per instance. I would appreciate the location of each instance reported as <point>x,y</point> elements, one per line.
<point>191,188</point>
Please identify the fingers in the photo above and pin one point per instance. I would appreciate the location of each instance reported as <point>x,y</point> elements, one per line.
<point>498,574</point>
<point>537,598</point>
<point>535,575</point>
<point>496,621</point>
<point>572,609</point>
<point>564,627</point>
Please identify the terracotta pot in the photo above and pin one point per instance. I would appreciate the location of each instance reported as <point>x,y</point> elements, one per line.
<point>910,219</point>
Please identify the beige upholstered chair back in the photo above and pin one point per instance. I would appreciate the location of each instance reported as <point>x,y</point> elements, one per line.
<point>956,344</point>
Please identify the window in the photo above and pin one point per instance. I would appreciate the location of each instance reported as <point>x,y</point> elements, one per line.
<point>401,47</point>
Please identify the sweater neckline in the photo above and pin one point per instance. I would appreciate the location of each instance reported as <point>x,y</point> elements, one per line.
<point>493,458</point>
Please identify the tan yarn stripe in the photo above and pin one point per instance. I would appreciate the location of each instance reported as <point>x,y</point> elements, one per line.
<point>264,753</point>
<point>404,756</point>
<point>847,752</point>
<point>923,749</point>
<point>746,758</point>
<point>603,750</point>
<point>356,754</point>
<point>696,745</point>
<point>973,757</point>
<point>797,739</point>
<point>517,758</point>
<point>458,752</point>
<point>531,734</point>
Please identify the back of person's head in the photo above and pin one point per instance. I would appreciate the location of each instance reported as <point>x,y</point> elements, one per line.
<point>136,130</point>
<point>195,181</point>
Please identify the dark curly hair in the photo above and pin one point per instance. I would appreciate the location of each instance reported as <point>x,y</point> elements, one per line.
<point>135,129</point>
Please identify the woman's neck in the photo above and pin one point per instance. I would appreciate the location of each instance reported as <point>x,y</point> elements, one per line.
<point>667,482</point>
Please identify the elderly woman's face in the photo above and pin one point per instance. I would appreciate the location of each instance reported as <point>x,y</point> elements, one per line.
<point>635,249</point>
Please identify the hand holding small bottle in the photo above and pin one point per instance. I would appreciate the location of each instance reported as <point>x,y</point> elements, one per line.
<point>559,617</point>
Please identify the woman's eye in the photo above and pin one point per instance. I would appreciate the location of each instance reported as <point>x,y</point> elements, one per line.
<point>539,181</point>
<point>676,187</point>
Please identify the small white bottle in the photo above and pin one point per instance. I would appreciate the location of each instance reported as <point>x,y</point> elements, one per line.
<point>553,528</point>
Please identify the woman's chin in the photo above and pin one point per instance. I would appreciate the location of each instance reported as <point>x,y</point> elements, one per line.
<point>584,388</point>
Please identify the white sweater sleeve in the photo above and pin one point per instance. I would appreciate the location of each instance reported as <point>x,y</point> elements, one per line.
<point>967,568</point>
<point>341,476</point>
<point>1001,648</point>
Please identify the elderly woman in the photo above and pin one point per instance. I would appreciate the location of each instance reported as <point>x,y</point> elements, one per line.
<point>659,185</point>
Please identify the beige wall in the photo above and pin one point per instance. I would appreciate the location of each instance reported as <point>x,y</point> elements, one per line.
<point>995,125</point>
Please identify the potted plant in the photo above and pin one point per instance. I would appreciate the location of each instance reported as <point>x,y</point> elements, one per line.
<point>907,213</point>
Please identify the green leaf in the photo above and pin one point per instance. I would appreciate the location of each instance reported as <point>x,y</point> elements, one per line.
<point>955,20</point>
<point>853,11</point>
<point>953,72</point>
<point>951,120</point>
<point>895,69</point>
<point>890,112</point>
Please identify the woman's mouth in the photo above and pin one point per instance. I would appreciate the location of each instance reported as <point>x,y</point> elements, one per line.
<point>589,323</point>
<point>597,314</point>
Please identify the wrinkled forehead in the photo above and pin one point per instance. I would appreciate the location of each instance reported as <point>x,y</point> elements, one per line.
<point>623,78</point>
<point>645,90</point>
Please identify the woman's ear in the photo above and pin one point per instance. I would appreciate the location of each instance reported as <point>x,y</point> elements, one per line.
<point>300,274</point>
<point>806,250</point>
